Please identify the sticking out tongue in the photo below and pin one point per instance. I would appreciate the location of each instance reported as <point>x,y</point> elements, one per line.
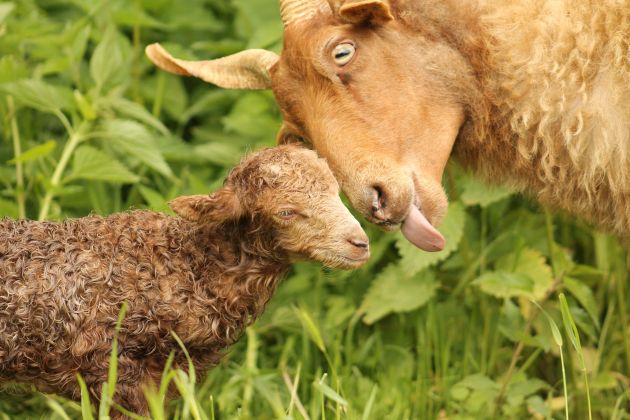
<point>420,232</point>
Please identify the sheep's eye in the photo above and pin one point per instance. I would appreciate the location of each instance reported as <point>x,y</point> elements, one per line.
<point>286,214</point>
<point>343,53</point>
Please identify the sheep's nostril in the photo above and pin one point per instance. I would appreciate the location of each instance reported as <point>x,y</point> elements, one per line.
<point>379,203</point>
<point>359,243</point>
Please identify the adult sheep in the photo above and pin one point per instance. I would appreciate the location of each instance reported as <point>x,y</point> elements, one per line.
<point>531,93</point>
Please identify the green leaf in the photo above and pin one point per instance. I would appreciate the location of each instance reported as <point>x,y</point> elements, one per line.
<point>108,60</point>
<point>133,139</point>
<point>225,155</point>
<point>475,192</point>
<point>478,382</point>
<point>585,296</point>
<point>414,260</point>
<point>5,10</point>
<point>85,107</point>
<point>131,14</point>
<point>36,152</point>
<point>138,112</point>
<point>530,263</point>
<point>396,290</point>
<point>523,389</point>
<point>504,285</point>
<point>330,393</point>
<point>520,274</point>
<point>154,199</point>
<point>8,209</point>
<point>12,68</point>
<point>92,164</point>
<point>311,328</point>
<point>251,117</point>
<point>39,95</point>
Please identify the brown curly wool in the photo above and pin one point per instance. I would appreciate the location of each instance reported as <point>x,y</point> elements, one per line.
<point>205,275</point>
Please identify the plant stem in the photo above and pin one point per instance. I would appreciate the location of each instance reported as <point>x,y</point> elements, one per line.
<point>549,228</point>
<point>17,152</point>
<point>250,366</point>
<point>621,302</point>
<point>135,70</point>
<point>159,94</point>
<point>72,143</point>
<point>564,386</point>
<point>521,344</point>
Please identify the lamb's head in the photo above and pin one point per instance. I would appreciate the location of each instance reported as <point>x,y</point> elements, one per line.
<point>288,194</point>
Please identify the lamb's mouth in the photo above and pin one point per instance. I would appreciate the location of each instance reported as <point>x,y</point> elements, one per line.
<point>335,260</point>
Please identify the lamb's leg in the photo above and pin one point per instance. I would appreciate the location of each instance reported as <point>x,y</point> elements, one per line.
<point>131,398</point>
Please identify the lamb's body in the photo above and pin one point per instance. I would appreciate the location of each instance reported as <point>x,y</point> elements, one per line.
<point>204,275</point>
<point>63,284</point>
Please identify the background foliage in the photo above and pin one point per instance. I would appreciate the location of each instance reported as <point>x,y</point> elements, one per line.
<point>478,330</point>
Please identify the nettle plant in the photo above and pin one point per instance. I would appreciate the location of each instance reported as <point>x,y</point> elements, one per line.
<point>74,88</point>
<point>476,330</point>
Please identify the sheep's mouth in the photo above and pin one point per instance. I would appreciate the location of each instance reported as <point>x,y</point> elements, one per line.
<point>418,230</point>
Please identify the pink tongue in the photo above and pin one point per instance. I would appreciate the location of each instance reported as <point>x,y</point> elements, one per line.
<point>421,233</point>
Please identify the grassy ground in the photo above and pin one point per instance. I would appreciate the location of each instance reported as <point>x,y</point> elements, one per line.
<point>524,315</point>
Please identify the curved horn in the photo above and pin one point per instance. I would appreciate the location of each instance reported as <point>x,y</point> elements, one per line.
<point>247,69</point>
<point>293,11</point>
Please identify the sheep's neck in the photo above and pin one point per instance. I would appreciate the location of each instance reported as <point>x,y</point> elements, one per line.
<point>484,141</point>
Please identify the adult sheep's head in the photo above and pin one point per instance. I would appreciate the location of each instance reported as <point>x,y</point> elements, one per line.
<point>286,196</point>
<point>376,99</point>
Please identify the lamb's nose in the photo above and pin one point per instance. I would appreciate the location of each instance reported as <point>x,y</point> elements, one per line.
<point>359,243</point>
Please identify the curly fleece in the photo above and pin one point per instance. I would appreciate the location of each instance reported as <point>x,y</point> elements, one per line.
<point>206,279</point>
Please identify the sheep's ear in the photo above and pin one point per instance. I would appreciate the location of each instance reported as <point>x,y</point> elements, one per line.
<point>376,12</point>
<point>247,69</point>
<point>221,206</point>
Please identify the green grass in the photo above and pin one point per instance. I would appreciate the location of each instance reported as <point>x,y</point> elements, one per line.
<point>524,315</point>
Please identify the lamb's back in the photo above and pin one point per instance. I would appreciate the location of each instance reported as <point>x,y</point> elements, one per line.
<point>62,285</point>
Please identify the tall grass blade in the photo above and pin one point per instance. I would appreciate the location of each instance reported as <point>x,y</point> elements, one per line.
<point>367,411</point>
<point>557,337</point>
<point>574,337</point>
<point>86,405</point>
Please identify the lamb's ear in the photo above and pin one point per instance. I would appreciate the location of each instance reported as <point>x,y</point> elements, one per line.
<point>376,12</point>
<point>218,207</point>
<point>287,136</point>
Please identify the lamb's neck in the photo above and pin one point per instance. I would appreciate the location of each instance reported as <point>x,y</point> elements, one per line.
<point>244,266</point>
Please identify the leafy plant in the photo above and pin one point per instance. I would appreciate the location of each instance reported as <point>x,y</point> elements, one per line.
<point>87,124</point>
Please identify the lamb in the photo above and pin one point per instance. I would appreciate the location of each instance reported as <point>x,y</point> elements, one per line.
<point>530,93</point>
<point>205,275</point>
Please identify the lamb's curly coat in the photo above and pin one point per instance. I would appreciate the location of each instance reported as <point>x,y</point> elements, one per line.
<point>205,276</point>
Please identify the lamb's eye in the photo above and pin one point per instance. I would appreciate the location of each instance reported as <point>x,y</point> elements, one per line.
<point>286,214</point>
<point>343,53</point>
